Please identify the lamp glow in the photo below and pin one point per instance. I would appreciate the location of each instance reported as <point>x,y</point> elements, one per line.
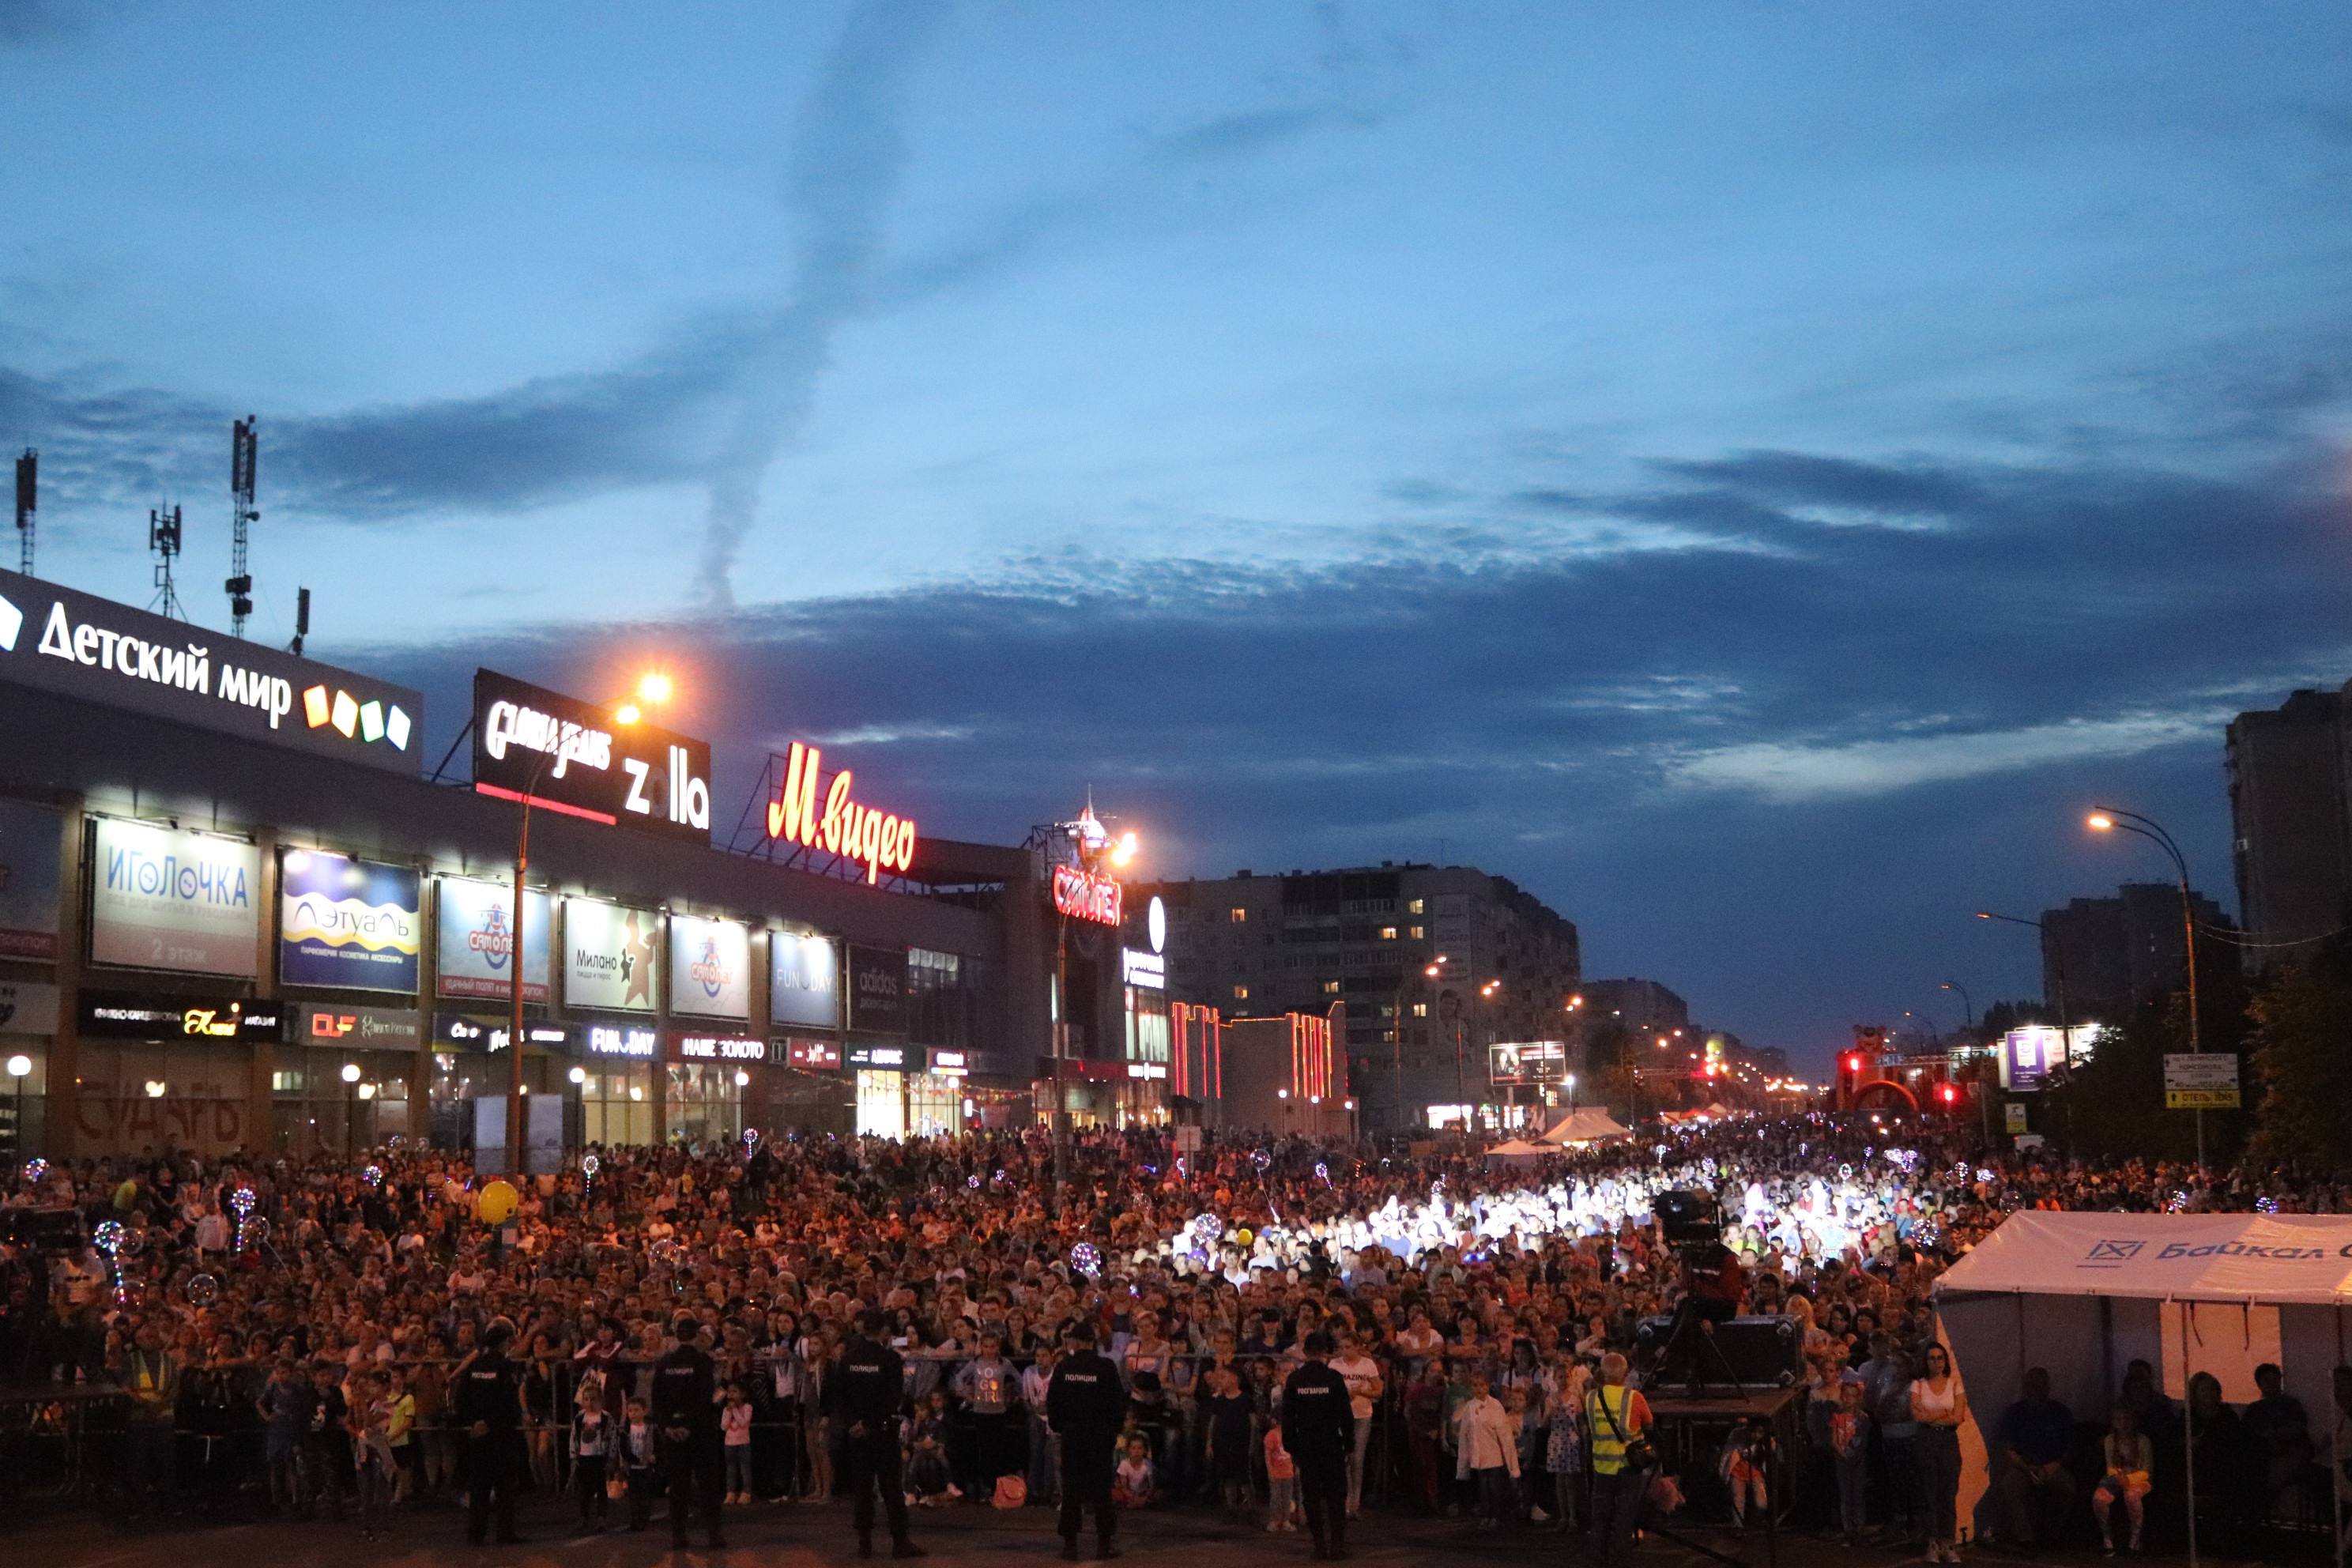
<point>350,1072</point>
<point>18,1066</point>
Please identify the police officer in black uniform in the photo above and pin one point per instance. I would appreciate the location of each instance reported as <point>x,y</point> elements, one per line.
<point>1318,1428</point>
<point>684,1416</point>
<point>1086,1405</point>
<point>863,1396</point>
<point>489,1410</point>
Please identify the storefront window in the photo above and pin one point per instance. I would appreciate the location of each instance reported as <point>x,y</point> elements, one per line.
<point>616,1104</point>
<point>942,1000</point>
<point>881,1104</point>
<point>935,1105</point>
<point>706,1104</point>
<point>132,1098</point>
<point>314,1107</point>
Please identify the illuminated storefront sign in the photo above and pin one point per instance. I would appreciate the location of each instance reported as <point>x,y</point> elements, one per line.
<point>121,1016</point>
<point>810,1055</point>
<point>348,923</point>
<point>950,1063</point>
<point>459,1032</point>
<point>571,756</point>
<point>1147,1069</point>
<point>877,1058</point>
<point>619,1040</point>
<point>165,898</point>
<point>716,1049</point>
<point>1148,970</point>
<point>882,840</point>
<point>55,639</point>
<point>1086,895</point>
<point>392,1027</point>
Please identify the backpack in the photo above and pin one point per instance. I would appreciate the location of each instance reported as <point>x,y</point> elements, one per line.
<point>1011,1492</point>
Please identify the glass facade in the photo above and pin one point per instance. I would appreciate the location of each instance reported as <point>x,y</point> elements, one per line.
<point>705,1103</point>
<point>617,1103</point>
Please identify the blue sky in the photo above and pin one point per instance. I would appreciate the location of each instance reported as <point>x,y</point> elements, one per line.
<point>1749,473</point>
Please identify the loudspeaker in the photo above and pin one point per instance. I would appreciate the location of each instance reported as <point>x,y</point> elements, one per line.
<point>1762,1352</point>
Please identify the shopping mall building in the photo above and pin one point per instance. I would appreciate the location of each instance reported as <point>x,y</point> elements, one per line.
<point>238,908</point>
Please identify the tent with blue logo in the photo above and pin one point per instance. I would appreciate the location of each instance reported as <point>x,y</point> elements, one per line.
<point>2084,1295</point>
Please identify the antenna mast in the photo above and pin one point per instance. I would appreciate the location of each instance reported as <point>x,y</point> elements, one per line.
<point>28,479</point>
<point>163,538</point>
<point>245,450</point>
<point>301,622</point>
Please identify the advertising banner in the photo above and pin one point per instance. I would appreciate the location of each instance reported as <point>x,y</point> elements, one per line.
<point>90,649</point>
<point>877,989</point>
<point>348,923</point>
<point>609,956</point>
<point>803,981</point>
<point>710,967</point>
<point>576,758</point>
<point>476,942</point>
<point>165,898</point>
<point>29,879</point>
<point>619,1040</point>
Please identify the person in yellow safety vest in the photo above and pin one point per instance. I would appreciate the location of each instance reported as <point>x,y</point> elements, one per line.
<point>1614,1416</point>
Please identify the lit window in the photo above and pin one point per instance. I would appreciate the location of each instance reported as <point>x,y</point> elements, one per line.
<point>1414,906</point>
<point>1241,993</point>
<point>1237,916</point>
<point>1420,1009</point>
<point>1416,933</point>
<point>1388,934</point>
<point>1330,988</point>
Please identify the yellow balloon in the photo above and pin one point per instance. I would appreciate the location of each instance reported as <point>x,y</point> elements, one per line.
<point>498,1203</point>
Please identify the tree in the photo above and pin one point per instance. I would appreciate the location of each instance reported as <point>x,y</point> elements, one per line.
<point>2303,1023</point>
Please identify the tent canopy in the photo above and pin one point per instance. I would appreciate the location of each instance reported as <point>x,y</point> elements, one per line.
<point>1589,1124</point>
<point>1516,1149</point>
<point>2265,1258</point>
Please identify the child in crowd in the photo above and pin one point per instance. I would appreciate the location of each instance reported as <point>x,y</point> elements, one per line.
<point>2129,1457</point>
<point>1132,1484</point>
<point>926,1453</point>
<point>1229,1441</point>
<point>735,1432</point>
<point>1281,1480</point>
<point>638,1461</point>
<point>1564,1453</point>
<point>1850,1447</point>
<point>1742,1464</point>
<point>370,1416</point>
<point>592,1444</point>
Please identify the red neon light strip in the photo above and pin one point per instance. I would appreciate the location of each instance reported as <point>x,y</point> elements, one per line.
<point>545,804</point>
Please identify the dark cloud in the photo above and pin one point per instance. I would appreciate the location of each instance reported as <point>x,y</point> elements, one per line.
<point>1696,751</point>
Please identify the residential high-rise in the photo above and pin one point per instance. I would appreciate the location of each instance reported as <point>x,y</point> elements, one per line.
<point>2110,955</point>
<point>1642,1006</point>
<point>1254,946</point>
<point>2290,829</point>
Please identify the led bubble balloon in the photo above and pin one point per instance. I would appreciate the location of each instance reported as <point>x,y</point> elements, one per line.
<point>202,1290</point>
<point>1085,1259</point>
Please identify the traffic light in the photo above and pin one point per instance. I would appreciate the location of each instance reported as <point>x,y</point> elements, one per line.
<point>1948,1093</point>
<point>1853,1062</point>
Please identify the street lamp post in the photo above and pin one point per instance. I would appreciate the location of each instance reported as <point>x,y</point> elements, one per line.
<point>2057,959</point>
<point>350,1107</point>
<point>1968,1008</point>
<point>20,1068</point>
<point>2107,818</point>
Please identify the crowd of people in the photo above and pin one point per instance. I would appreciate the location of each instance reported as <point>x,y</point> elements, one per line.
<point>1273,1329</point>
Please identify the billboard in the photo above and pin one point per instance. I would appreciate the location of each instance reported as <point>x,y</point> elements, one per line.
<point>1527,1061</point>
<point>610,954</point>
<point>803,981</point>
<point>574,757</point>
<point>348,923</point>
<point>162,898</point>
<point>877,989</point>
<point>54,639</point>
<point>710,967</point>
<point>476,945</point>
<point>29,879</point>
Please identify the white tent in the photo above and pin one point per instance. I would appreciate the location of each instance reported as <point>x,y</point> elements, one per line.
<point>1589,1125</point>
<point>2084,1295</point>
<point>1517,1152</point>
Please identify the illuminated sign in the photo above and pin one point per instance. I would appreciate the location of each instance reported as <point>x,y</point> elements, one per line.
<point>812,1056</point>
<point>569,756</point>
<point>477,939</point>
<point>877,989</point>
<point>620,1040</point>
<point>1086,895</point>
<point>1147,1069</point>
<point>878,1058</point>
<point>951,1064</point>
<point>710,967</point>
<point>803,981</point>
<point>457,1032</point>
<point>880,839</point>
<point>165,898</point>
<point>115,1015</point>
<point>392,1028</point>
<point>716,1049</point>
<point>1148,970</point>
<point>1534,1061</point>
<point>347,923</point>
<point>55,639</point>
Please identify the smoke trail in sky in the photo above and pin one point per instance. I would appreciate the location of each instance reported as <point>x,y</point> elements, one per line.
<point>846,160</point>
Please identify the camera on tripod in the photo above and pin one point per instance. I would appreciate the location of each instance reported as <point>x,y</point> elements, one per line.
<point>1692,1222</point>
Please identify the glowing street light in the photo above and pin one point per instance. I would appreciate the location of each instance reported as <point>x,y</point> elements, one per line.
<point>2107,819</point>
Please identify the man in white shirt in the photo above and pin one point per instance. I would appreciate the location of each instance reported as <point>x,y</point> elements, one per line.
<point>1364,1384</point>
<point>1487,1447</point>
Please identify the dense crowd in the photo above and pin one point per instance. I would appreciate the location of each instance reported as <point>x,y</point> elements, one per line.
<point>300,1328</point>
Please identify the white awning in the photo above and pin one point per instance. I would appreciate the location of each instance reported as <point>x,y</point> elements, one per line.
<point>2265,1258</point>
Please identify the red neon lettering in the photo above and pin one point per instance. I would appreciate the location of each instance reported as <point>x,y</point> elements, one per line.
<point>843,827</point>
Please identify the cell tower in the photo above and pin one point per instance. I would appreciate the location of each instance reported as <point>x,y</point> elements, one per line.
<point>28,484</point>
<point>163,538</point>
<point>244,451</point>
<point>301,622</point>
